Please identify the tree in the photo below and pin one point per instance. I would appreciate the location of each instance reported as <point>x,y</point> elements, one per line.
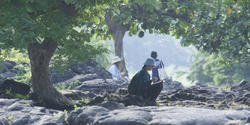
<point>137,16</point>
<point>214,26</point>
<point>220,26</point>
<point>118,31</point>
<point>44,27</point>
<point>209,68</point>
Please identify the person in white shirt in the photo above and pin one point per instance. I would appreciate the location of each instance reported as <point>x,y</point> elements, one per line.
<point>115,68</point>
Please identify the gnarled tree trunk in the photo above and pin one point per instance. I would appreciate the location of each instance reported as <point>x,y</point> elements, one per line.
<point>118,31</point>
<point>40,56</point>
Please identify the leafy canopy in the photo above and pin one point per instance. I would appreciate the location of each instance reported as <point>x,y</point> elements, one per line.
<point>68,22</point>
<point>215,26</point>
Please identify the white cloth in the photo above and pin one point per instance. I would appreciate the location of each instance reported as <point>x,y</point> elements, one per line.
<point>158,63</point>
<point>114,71</point>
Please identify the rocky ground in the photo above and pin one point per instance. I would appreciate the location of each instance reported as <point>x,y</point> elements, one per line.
<point>104,101</point>
<point>22,112</point>
<point>238,96</point>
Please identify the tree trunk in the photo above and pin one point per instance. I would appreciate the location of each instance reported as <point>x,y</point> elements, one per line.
<point>118,31</point>
<point>118,38</point>
<point>40,56</point>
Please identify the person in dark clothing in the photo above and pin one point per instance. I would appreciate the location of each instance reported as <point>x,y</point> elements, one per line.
<point>140,84</point>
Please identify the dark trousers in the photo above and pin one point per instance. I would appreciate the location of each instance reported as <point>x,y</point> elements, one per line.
<point>153,92</point>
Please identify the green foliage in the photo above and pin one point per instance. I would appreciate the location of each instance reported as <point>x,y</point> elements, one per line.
<point>18,56</point>
<point>62,86</point>
<point>220,26</point>
<point>215,26</point>
<point>103,59</point>
<point>24,74</point>
<point>22,61</point>
<point>8,92</point>
<point>74,84</point>
<point>19,96</point>
<point>208,68</point>
<point>11,119</point>
<point>76,107</point>
<point>68,22</point>
<point>16,95</point>
<point>66,116</point>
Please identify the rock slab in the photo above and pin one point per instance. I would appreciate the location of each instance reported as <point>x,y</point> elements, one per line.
<point>133,115</point>
<point>22,112</point>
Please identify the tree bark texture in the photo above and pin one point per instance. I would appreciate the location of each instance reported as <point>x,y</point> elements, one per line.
<point>40,56</point>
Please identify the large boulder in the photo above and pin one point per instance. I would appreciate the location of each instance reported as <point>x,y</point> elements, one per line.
<point>242,86</point>
<point>57,77</point>
<point>8,70</point>
<point>8,65</point>
<point>171,85</point>
<point>112,105</point>
<point>80,72</point>
<point>100,86</point>
<point>14,87</point>
<point>134,115</point>
<point>21,112</point>
<point>91,67</point>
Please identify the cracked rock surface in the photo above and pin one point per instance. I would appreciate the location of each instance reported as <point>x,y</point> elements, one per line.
<point>134,115</point>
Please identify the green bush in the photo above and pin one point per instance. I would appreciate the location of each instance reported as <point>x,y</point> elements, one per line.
<point>62,86</point>
<point>74,84</point>
<point>24,74</point>
<point>22,61</point>
<point>212,70</point>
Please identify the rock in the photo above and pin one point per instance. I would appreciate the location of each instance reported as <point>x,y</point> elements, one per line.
<point>243,85</point>
<point>127,99</point>
<point>125,117</point>
<point>14,87</point>
<point>8,70</point>
<point>84,68</point>
<point>8,65</point>
<point>81,78</point>
<point>134,115</point>
<point>8,74</point>
<point>207,96</point>
<point>80,72</point>
<point>86,115</point>
<point>90,67</point>
<point>97,100</point>
<point>170,85</point>
<point>90,70</point>
<point>4,121</point>
<point>57,77</point>
<point>111,105</point>
<point>77,95</point>
<point>22,112</point>
<point>244,99</point>
<point>99,86</point>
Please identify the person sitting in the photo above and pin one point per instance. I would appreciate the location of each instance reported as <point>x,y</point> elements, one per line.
<point>115,68</point>
<point>140,84</point>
